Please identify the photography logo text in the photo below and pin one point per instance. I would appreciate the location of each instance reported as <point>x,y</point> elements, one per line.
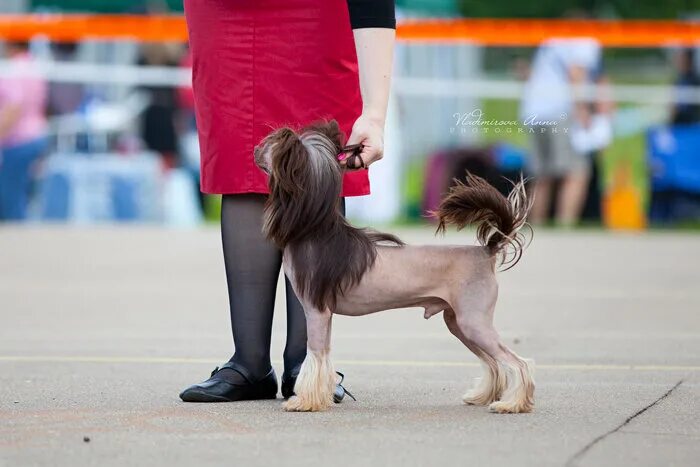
<point>477,122</point>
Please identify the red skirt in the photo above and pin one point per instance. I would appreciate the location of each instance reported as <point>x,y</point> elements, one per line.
<point>262,64</point>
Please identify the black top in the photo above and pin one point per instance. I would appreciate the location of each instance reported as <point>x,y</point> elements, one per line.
<point>372,14</point>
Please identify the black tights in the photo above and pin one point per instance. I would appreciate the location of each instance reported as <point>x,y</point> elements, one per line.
<point>252,268</point>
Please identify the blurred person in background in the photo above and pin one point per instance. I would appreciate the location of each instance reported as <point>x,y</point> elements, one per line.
<point>591,134</point>
<point>159,121</point>
<point>550,107</point>
<point>687,77</point>
<point>22,130</point>
<point>257,66</point>
<point>64,97</point>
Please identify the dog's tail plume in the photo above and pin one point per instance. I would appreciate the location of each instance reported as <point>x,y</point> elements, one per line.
<point>498,219</point>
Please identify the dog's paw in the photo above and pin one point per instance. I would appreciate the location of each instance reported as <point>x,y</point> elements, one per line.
<point>475,397</point>
<point>294,404</point>
<point>297,404</point>
<point>509,407</point>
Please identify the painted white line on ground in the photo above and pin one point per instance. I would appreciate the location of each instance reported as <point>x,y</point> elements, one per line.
<point>568,335</point>
<point>407,363</point>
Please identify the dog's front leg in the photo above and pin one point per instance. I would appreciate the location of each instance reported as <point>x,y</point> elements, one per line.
<point>316,381</point>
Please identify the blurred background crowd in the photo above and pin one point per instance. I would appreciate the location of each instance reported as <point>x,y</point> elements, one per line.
<point>104,131</point>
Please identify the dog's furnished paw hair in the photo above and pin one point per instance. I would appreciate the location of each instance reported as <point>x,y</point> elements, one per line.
<point>315,384</point>
<point>518,395</point>
<point>488,388</point>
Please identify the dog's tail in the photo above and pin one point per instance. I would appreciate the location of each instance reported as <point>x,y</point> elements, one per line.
<point>498,219</point>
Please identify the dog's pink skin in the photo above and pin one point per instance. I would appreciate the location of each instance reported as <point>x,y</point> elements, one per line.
<point>421,276</point>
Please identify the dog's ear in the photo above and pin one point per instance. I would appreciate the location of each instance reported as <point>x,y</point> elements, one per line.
<point>289,160</point>
<point>331,130</point>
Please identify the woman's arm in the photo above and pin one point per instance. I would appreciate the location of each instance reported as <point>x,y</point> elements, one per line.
<point>375,51</point>
<point>373,23</point>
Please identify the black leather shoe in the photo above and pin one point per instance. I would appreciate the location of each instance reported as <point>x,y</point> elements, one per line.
<point>216,390</point>
<point>288,383</point>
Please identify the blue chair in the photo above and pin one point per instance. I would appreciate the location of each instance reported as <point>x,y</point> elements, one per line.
<point>674,169</point>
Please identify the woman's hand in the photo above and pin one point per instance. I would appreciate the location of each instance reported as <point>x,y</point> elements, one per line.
<point>368,131</point>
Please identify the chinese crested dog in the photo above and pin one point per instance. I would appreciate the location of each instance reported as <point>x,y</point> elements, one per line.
<point>336,268</point>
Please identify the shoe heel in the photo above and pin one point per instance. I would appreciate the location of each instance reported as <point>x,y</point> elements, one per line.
<point>267,388</point>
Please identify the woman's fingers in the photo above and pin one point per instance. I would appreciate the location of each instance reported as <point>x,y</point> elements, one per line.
<point>361,160</point>
<point>372,152</point>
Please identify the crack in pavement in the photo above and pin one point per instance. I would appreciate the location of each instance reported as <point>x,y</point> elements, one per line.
<point>580,453</point>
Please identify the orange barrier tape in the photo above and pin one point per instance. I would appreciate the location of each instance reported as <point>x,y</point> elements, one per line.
<point>495,32</point>
<point>77,27</point>
<point>524,32</point>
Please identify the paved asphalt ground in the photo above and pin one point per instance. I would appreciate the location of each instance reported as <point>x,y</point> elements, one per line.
<point>101,328</point>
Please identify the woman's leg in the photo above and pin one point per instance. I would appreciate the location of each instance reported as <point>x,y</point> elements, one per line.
<point>252,268</point>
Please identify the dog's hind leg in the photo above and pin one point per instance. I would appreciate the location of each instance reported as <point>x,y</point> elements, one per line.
<point>489,387</point>
<point>512,382</point>
<point>316,381</point>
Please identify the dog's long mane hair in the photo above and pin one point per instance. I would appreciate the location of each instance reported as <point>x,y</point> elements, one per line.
<point>302,214</point>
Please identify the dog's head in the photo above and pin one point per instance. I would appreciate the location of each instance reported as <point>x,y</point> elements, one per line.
<point>293,159</point>
<point>305,179</point>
